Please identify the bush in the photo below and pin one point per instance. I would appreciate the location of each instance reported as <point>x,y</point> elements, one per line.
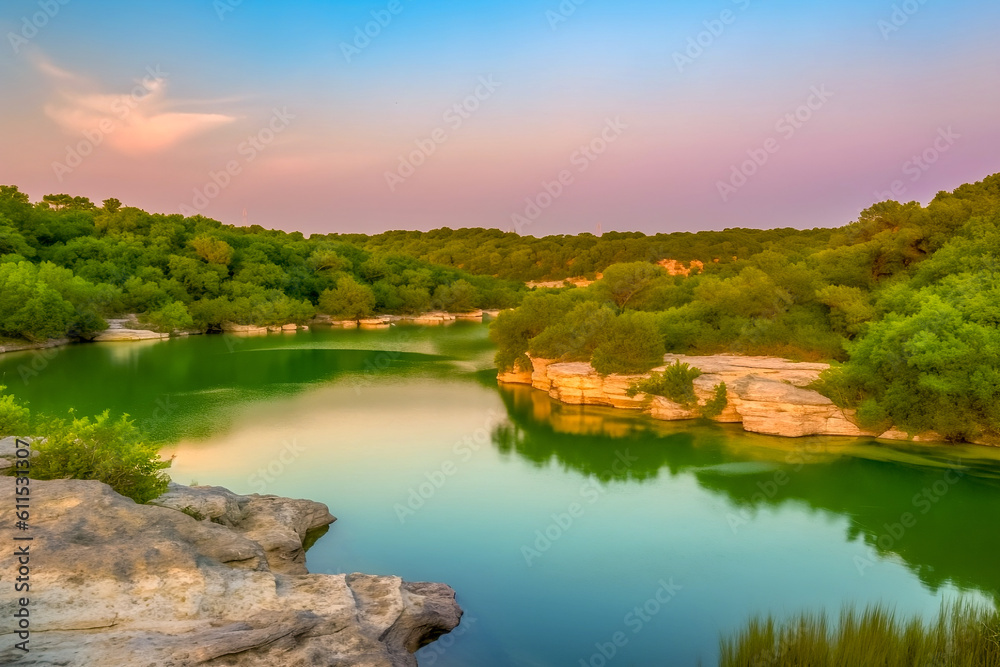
<point>14,417</point>
<point>714,406</point>
<point>172,316</point>
<point>676,383</point>
<point>349,300</point>
<point>632,344</point>
<point>108,450</point>
<point>577,336</point>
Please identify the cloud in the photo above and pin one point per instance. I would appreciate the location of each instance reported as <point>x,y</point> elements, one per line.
<point>138,122</point>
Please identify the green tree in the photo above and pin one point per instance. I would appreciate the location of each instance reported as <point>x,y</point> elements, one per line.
<point>622,282</point>
<point>632,344</point>
<point>212,250</point>
<point>29,308</point>
<point>171,317</point>
<point>349,300</point>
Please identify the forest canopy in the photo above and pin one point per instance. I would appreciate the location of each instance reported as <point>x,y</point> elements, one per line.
<point>67,265</point>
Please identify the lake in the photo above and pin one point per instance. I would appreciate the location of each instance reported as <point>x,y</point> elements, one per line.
<point>573,535</point>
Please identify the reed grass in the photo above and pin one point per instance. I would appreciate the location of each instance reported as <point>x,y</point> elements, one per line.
<point>963,634</point>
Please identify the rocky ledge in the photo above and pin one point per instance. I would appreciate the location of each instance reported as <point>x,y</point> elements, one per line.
<point>205,577</point>
<point>765,394</point>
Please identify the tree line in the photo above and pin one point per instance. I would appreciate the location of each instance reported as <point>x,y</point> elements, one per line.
<point>66,265</point>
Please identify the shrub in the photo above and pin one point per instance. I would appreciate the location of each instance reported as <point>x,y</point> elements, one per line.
<point>14,416</point>
<point>172,316</point>
<point>676,383</point>
<point>632,344</point>
<point>349,300</point>
<point>577,336</point>
<point>714,406</point>
<point>108,450</point>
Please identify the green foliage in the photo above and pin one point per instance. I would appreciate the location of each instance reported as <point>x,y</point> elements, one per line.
<point>172,317</point>
<point>632,343</point>
<point>714,406</point>
<point>576,336</point>
<point>458,297</point>
<point>675,382</point>
<point>962,635</point>
<point>213,250</point>
<point>621,282</point>
<point>906,298</point>
<point>94,263</point>
<point>29,308</point>
<point>349,300</point>
<point>108,450</point>
<point>14,416</point>
<point>513,330</point>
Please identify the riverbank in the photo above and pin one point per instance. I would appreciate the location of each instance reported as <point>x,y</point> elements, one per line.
<point>203,576</point>
<point>125,330</point>
<point>766,395</point>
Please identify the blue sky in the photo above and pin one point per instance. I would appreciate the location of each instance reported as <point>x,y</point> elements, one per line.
<point>226,72</point>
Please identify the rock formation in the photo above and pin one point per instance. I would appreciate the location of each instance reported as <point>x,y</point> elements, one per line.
<point>209,577</point>
<point>765,394</point>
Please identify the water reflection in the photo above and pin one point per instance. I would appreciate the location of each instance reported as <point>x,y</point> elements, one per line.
<point>936,508</point>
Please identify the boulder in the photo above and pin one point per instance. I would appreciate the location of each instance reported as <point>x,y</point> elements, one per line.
<point>115,583</point>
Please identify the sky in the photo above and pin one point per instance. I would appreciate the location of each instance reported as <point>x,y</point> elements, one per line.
<point>538,116</point>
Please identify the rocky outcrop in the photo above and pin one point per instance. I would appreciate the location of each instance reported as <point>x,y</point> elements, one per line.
<point>119,335</point>
<point>677,268</point>
<point>278,525</point>
<point>208,577</point>
<point>765,394</point>
<point>20,347</point>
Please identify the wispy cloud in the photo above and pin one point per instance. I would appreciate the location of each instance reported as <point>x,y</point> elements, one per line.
<point>140,121</point>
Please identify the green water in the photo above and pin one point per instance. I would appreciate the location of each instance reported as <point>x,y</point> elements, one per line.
<point>660,535</point>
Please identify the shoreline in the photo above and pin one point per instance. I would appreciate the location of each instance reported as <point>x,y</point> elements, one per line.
<point>766,395</point>
<point>117,333</point>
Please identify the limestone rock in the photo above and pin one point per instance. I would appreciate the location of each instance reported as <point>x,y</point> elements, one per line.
<point>119,335</point>
<point>115,583</point>
<point>20,347</point>
<point>766,394</point>
<point>8,451</point>
<point>278,524</point>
